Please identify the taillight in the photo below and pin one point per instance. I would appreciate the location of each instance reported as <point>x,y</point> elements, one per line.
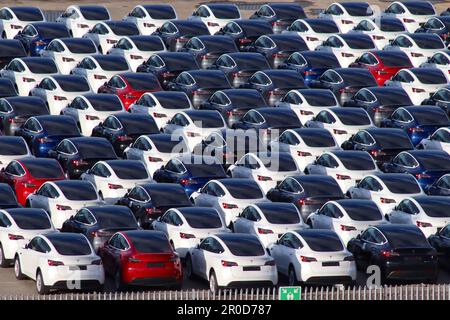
<point>408,20</point>
<point>270,263</point>
<point>264,178</point>
<point>149,25</point>
<point>186,235</point>
<point>376,153</point>
<point>29,185</point>
<point>152,211</point>
<point>186,181</point>
<point>25,79</point>
<point>277,24</point>
<point>347,55</point>
<point>65,59</point>
<point>14,26</point>
<point>59,98</point>
<point>40,43</point>
<point>342,177</point>
<point>200,93</point>
<point>381,72</point>
<point>349,258</point>
<point>264,231</point>
<point>415,129</point>
<point>42,140</point>
<point>61,207</point>
<point>312,39</point>
<point>54,263</point>
<point>303,154</point>
<point>422,176</point>
<point>244,41</point>
<point>15,237</point>
<point>135,57</point>
<point>306,113</point>
<point>307,259</point>
<point>99,77</point>
<point>82,25</point>
<point>133,260</point>
<point>229,206</point>
<point>111,41</point>
<point>88,117</point>
<point>416,54</point>
<point>78,163</point>
<point>114,186</point>
<point>130,96</point>
<point>159,115</point>
<point>378,37</point>
<point>386,200</point>
<point>387,254</point>
<point>212,24</point>
<point>97,262</point>
<point>336,131</point>
<point>154,159</point>
<point>167,75</point>
<point>229,263</point>
<point>418,90</point>
<point>422,224</point>
<point>99,234</point>
<point>192,134</point>
<point>347,228</point>
<point>124,138</point>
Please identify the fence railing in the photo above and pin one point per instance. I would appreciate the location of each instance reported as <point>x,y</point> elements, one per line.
<point>410,292</point>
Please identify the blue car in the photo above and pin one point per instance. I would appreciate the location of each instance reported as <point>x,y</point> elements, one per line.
<point>311,64</point>
<point>36,36</point>
<point>192,172</point>
<point>43,133</point>
<point>426,165</point>
<point>418,121</point>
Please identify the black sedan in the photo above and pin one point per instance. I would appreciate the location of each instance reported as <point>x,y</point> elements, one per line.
<point>439,26</point>
<point>7,197</point>
<point>440,187</point>
<point>441,242</point>
<point>280,15</point>
<point>245,32</point>
<point>176,33</point>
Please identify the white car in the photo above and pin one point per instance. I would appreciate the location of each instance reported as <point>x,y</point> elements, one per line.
<point>154,150</point>
<point>228,196</point>
<point>440,60</point>
<point>13,148</point>
<point>313,256</point>
<point>412,13</point>
<point>186,227</point>
<point>98,69</point>
<point>304,144</point>
<point>347,47</point>
<point>59,90</point>
<point>307,103</point>
<point>386,189</point>
<point>341,122</point>
<point>113,178</point>
<point>149,17</point>
<point>17,228</point>
<point>107,33</point>
<point>62,199</point>
<point>348,14</point>
<point>231,258</point>
<point>60,260</point>
<point>162,105</point>
<point>430,214</point>
<point>14,19</point>
<point>90,109</point>
<point>347,167</point>
<point>267,169</point>
<point>347,217</point>
<point>269,221</point>
<point>313,31</point>
<point>27,72</point>
<point>194,125</point>
<point>137,49</point>
<point>419,83</point>
<point>418,46</point>
<point>439,140</point>
<point>80,19</point>
<point>382,31</point>
<point>68,52</point>
<point>216,15</point>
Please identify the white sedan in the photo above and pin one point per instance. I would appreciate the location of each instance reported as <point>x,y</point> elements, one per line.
<point>14,19</point>
<point>17,228</point>
<point>440,60</point>
<point>346,167</point>
<point>412,13</point>
<point>430,214</point>
<point>216,15</point>
<point>228,196</point>
<point>68,52</point>
<point>113,178</point>
<point>439,140</point>
<point>348,14</point>
<point>267,169</point>
<point>347,217</point>
<point>62,199</point>
<point>60,261</point>
<point>313,31</point>
<point>386,189</point>
<point>304,144</point>
<point>186,227</point>
<point>80,19</point>
<point>149,17</point>
<point>231,258</point>
<point>313,256</point>
<point>269,221</point>
<point>419,83</point>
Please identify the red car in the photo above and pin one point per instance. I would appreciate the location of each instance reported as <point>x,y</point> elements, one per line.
<point>383,64</point>
<point>130,86</point>
<point>28,174</point>
<point>141,257</point>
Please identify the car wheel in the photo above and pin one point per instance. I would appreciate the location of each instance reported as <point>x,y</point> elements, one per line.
<point>292,277</point>
<point>40,286</point>
<point>213,286</point>
<point>188,267</point>
<point>18,269</point>
<point>3,262</point>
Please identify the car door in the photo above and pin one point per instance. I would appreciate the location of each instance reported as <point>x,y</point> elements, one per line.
<point>200,255</point>
<point>322,219</point>
<point>404,212</point>
<point>285,251</point>
<point>208,195</point>
<point>246,221</point>
<point>99,176</point>
<point>40,199</point>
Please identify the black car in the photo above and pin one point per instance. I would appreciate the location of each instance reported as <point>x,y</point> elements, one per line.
<point>99,223</point>
<point>7,197</point>
<point>240,66</point>
<point>439,26</point>
<point>401,251</point>
<point>10,49</point>
<point>278,47</point>
<point>344,82</point>
<point>275,83</point>
<point>307,192</point>
<point>151,200</point>
<point>440,98</point>
<point>441,242</point>
<point>280,15</point>
<point>168,65</point>
<point>382,143</point>
<point>77,155</point>
<point>379,102</point>
<point>440,187</point>
<point>176,33</point>
<point>206,49</point>
<point>245,32</point>
<point>14,111</point>
<point>234,103</point>
<point>123,128</point>
<point>7,88</point>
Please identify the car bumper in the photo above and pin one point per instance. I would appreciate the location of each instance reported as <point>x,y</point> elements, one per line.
<point>71,279</point>
<point>227,276</point>
<point>147,276</point>
<point>314,272</point>
<point>411,271</point>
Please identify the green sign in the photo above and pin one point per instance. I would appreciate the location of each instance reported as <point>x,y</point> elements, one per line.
<point>290,293</point>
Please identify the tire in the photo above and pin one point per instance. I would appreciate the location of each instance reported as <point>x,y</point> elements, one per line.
<point>188,269</point>
<point>213,286</point>
<point>3,262</point>
<point>18,269</point>
<point>292,277</point>
<point>40,286</point>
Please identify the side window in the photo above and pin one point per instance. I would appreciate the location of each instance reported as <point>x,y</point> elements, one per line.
<point>444,183</point>
<point>395,8</point>
<point>402,116</point>
<point>290,185</point>
<point>15,169</point>
<point>403,42</point>
<point>334,10</point>
<point>175,166</point>
<point>100,170</point>
<point>289,138</point>
<point>292,98</point>
<point>405,160</point>
<point>368,59</point>
<point>325,117</point>
<point>441,135</point>
<point>327,161</point>
<point>142,144</point>
<point>298,26</point>
<point>226,62</point>
<point>297,59</point>
<point>112,123</point>
<point>253,117</point>
<point>85,217</point>
<point>4,221</point>
<point>211,245</point>
<point>32,125</point>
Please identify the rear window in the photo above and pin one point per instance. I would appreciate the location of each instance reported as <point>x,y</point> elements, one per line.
<point>283,216</point>
<point>359,42</point>
<point>225,12</point>
<point>117,219</point>
<point>53,31</point>
<point>127,29</point>
<point>74,84</point>
<point>244,247</point>
<point>363,211</point>
<point>282,118</point>
<point>71,246</point>
<point>220,45</point>
<point>244,190</point>
<point>149,44</point>
<point>420,8</point>
<point>203,220</point>
<point>255,63</point>
<point>143,83</point>
<point>358,77</point>
<point>358,9</point>
<point>431,77</point>
<point>436,207</point>
<point>321,188</point>
<point>432,117</point>
<point>28,14</point>
<point>60,128</point>
<point>169,197</point>
<point>78,192</point>
<point>12,49</point>
<point>173,101</point>
<point>47,169</point>
<point>167,146</point>
<point>105,102</point>
<point>211,80</point>
<point>112,64</point>
<point>317,99</point>
<point>357,160</point>
<point>94,13</point>
<point>95,150</point>
<point>140,125</point>
<point>318,139</point>
<point>323,241</point>
<point>391,25</point>
<point>406,184</point>
<point>394,140</point>
<point>206,170</point>
<point>7,197</point>
<point>285,80</point>
<point>279,162</point>
<point>144,243</point>
<point>324,27</point>
<point>353,118</point>
<point>429,42</point>
<point>207,120</point>
<point>392,59</point>
<point>128,170</point>
<point>319,61</point>
<point>80,46</point>
<point>12,147</point>
<point>435,162</point>
<point>161,12</point>
<point>406,238</point>
<point>41,66</point>
<point>36,220</point>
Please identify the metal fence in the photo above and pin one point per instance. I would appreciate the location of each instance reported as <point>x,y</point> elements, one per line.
<point>411,292</point>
